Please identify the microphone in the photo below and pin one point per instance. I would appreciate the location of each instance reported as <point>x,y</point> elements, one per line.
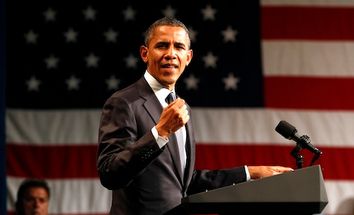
<point>290,132</point>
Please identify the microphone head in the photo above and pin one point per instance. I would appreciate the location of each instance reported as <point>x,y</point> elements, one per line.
<point>286,129</point>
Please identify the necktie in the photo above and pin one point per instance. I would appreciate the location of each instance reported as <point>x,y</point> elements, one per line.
<point>180,136</point>
<point>170,98</point>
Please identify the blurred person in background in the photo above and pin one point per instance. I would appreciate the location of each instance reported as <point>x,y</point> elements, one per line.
<point>33,197</point>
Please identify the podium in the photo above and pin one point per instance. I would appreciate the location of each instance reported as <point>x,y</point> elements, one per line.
<point>299,192</point>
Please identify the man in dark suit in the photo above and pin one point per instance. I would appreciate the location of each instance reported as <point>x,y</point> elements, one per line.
<point>146,149</point>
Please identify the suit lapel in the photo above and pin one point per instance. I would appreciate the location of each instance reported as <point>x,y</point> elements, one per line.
<point>151,104</point>
<point>154,108</point>
<point>172,146</point>
<point>190,150</point>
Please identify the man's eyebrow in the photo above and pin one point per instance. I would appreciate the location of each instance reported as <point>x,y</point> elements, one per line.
<point>179,44</point>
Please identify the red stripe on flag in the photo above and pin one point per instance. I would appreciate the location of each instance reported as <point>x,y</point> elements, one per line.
<point>309,93</point>
<point>51,162</point>
<point>80,160</point>
<point>334,161</point>
<point>319,23</point>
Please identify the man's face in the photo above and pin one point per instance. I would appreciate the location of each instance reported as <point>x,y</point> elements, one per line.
<point>36,201</point>
<point>167,54</point>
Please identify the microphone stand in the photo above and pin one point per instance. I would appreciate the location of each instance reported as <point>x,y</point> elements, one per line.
<point>298,157</point>
<point>315,157</point>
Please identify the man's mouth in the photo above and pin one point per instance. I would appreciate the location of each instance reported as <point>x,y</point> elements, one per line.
<point>169,65</point>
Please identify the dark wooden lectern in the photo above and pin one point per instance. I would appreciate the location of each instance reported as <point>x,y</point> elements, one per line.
<point>299,192</point>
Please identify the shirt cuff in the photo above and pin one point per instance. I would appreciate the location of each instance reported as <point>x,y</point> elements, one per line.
<point>248,176</point>
<point>161,142</point>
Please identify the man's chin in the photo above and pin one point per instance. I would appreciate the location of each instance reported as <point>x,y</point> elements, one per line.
<point>168,82</point>
<point>36,213</point>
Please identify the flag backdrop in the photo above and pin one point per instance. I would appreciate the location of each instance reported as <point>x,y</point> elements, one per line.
<point>255,63</point>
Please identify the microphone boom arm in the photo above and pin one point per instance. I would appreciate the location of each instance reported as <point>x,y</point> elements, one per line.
<point>303,142</point>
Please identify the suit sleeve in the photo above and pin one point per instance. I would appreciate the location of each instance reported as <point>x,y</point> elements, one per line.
<point>124,151</point>
<point>211,179</point>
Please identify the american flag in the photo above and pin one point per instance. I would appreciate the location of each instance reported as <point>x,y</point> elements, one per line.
<point>255,63</point>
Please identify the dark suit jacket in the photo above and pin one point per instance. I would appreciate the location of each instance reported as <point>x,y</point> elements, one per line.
<point>145,179</point>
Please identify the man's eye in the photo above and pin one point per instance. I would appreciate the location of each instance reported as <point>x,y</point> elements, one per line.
<point>180,47</point>
<point>162,46</point>
<point>42,200</point>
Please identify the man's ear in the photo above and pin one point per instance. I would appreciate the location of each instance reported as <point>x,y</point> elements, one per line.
<point>144,53</point>
<point>190,56</point>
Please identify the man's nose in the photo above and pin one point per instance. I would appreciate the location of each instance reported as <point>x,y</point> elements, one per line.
<point>171,53</point>
<point>36,202</point>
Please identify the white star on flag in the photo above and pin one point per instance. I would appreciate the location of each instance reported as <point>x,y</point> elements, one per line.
<point>31,37</point>
<point>209,13</point>
<point>89,13</point>
<point>193,34</point>
<point>169,11</point>
<point>230,82</point>
<point>51,62</point>
<point>111,35</point>
<point>191,82</point>
<point>129,13</point>
<point>92,60</point>
<point>131,61</point>
<point>49,15</point>
<point>210,60</point>
<point>72,83</point>
<point>112,83</point>
<point>70,35</point>
<point>33,84</point>
<point>229,34</point>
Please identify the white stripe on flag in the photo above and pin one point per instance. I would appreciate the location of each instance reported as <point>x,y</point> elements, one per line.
<point>214,125</point>
<point>52,127</point>
<point>308,58</point>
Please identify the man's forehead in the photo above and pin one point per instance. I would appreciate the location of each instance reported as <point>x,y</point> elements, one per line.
<point>36,190</point>
<point>175,37</point>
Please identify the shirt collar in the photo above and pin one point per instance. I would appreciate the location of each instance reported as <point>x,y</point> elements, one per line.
<point>160,91</point>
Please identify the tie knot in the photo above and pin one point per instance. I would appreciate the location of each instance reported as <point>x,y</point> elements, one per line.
<point>170,98</point>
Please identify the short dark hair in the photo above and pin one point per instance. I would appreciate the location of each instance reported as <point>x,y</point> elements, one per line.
<point>25,185</point>
<point>169,21</point>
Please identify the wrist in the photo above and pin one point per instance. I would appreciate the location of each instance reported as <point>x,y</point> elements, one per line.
<point>162,132</point>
